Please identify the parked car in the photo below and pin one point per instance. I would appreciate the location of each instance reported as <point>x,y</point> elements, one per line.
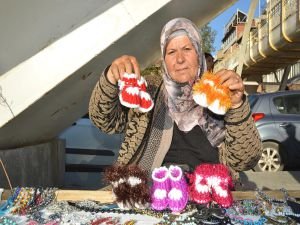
<point>277,117</point>
<point>88,152</point>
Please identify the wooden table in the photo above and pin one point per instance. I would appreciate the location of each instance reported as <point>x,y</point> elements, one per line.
<point>106,196</point>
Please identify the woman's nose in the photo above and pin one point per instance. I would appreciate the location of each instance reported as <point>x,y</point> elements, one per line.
<point>179,57</point>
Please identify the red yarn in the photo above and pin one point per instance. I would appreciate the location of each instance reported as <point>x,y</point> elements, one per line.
<point>199,189</point>
<point>133,93</point>
<point>211,182</point>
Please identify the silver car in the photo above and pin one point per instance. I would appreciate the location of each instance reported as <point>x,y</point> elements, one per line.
<point>88,152</point>
<point>277,117</point>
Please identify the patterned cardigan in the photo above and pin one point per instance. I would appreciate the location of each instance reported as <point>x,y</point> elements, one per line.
<point>148,135</point>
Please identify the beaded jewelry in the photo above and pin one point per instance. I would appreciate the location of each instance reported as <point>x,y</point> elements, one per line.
<point>277,210</point>
<point>105,220</point>
<point>7,221</point>
<point>245,220</point>
<point>130,222</point>
<point>199,214</point>
<point>6,206</point>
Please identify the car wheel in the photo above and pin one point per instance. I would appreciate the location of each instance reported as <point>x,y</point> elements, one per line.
<point>271,160</point>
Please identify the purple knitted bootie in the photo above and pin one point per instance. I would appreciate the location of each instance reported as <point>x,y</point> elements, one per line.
<point>178,194</point>
<point>160,188</point>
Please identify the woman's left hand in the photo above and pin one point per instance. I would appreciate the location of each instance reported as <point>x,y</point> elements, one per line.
<point>235,84</point>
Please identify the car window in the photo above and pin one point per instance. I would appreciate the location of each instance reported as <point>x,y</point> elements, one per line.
<point>288,104</point>
<point>279,104</point>
<point>292,103</point>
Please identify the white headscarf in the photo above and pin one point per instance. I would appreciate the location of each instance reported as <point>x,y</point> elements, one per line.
<point>182,108</point>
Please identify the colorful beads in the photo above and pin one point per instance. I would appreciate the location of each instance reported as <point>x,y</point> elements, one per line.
<point>7,221</point>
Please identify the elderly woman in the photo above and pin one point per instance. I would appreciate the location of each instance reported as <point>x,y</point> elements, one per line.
<point>177,130</point>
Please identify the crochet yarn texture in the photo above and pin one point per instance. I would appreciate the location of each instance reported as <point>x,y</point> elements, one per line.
<point>133,93</point>
<point>209,93</point>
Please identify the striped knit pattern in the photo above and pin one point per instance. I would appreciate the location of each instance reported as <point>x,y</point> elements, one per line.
<point>242,146</point>
<point>155,135</point>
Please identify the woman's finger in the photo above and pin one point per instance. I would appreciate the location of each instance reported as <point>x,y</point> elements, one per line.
<point>121,69</point>
<point>136,66</point>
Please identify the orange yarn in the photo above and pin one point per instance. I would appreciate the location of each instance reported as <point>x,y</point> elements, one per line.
<point>209,84</point>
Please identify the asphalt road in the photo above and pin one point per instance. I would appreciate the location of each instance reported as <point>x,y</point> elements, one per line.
<point>290,180</point>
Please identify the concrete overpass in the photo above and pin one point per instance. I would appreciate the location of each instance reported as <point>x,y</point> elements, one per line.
<point>52,53</point>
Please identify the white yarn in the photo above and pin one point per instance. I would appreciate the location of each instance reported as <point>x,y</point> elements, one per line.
<point>175,194</point>
<point>214,181</point>
<point>200,187</point>
<point>160,193</point>
<point>134,181</point>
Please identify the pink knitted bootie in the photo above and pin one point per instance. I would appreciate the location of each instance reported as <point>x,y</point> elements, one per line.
<point>199,189</point>
<point>221,183</point>
<point>160,188</point>
<point>178,194</point>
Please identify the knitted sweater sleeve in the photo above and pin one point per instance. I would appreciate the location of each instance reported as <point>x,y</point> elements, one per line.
<point>242,147</point>
<point>105,109</point>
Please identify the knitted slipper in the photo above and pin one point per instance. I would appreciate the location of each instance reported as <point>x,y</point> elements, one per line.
<point>208,92</point>
<point>221,183</point>
<point>178,194</point>
<point>133,93</point>
<point>129,91</point>
<point>129,97</point>
<point>199,189</point>
<point>160,188</point>
<point>146,103</point>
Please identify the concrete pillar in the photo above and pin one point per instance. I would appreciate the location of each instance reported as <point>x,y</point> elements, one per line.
<point>37,165</point>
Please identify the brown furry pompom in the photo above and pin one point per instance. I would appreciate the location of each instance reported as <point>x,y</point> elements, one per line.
<point>130,185</point>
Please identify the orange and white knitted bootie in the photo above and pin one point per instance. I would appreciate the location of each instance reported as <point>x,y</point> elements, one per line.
<point>209,93</point>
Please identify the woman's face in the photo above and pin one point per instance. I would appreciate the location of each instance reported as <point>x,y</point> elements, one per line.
<point>181,59</point>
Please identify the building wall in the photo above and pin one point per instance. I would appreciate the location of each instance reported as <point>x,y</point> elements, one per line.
<point>31,25</point>
<point>39,165</point>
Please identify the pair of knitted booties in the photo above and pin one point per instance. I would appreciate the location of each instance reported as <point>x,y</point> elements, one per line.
<point>209,93</point>
<point>169,189</point>
<point>211,182</point>
<point>129,186</point>
<point>133,93</point>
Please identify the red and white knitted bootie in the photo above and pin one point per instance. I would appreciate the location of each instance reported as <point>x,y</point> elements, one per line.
<point>146,103</point>
<point>199,189</point>
<point>133,93</point>
<point>129,91</point>
<point>221,185</point>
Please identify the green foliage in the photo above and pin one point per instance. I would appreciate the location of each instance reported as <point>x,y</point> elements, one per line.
<point>152,69</point>
<point>208,37</point>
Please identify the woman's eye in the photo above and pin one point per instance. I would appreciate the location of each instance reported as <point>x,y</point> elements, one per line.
<point>170,52</point>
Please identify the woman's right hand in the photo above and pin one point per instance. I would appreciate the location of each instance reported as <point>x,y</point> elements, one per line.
<point>121,65</point>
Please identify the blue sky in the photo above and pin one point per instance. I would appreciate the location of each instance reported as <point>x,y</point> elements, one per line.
<point>220,21</point>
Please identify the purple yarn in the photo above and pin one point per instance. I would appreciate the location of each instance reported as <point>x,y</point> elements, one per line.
<point>178,194</point>
<point>160,188</point>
